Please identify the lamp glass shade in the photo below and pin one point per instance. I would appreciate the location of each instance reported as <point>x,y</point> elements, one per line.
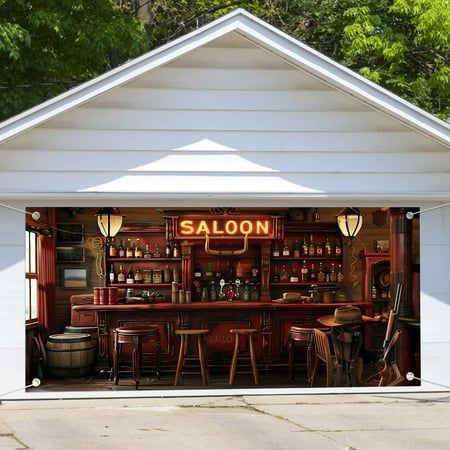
<point>109,221</point>
<point>350,221</point>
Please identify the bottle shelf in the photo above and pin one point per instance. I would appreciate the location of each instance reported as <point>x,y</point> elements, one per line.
<point>115,259</point>
<point>306,283</point>
<point>139,285</point>
<point>306,258</point>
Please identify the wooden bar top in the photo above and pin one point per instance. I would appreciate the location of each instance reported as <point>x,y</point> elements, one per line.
<point>236,305</point>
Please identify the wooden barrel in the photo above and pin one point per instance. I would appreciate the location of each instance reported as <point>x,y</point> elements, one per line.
<point>70,355</point>
<point>93,331</point>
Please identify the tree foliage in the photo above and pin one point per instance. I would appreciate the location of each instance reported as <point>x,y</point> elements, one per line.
<point>402,45</point>
<point>47,46</point>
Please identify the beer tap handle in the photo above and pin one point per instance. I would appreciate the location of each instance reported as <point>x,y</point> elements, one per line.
<point>237,283</point>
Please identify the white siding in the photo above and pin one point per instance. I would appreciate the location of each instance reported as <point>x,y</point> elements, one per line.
<point>12,299</point>
<point>435,295</point>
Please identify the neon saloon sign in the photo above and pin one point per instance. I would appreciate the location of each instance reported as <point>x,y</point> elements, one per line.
<point>198,228</point>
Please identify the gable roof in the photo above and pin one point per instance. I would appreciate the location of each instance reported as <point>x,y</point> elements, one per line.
<point>259,33</point>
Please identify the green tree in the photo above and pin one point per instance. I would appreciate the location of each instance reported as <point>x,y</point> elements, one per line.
<point>47,46</point>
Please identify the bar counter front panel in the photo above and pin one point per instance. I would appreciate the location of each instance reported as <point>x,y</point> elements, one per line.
<point>272,320</point>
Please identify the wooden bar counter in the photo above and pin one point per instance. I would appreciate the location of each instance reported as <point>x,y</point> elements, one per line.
<point>272,320</point>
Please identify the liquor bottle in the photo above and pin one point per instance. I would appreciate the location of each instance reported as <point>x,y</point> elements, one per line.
<point>319,249</point>
<point>296,249</point>
<point>205,294</point>
<point>283,274</point>
<point>130,276</point>
<point>197,272</point>
<point>230,293</point>
<point>338,248</point>
<point>209,271</point>
<point>121,275</point>
<point>112,274</point>
<point>312,246</point>
<point>246,293</point>
<point>229,272</point>
<point>239,269</point>
<point>286,250</point>
<point>138,276</point>
<point>176,251</point>
<point>254,295</point>
<point>121,251</point>
<point>327,275</point>
<point>157,253</point>
<point>168,252</point>
<point>333,274</point>
<point>218,270</point>
<point>167,274</point>
<point>176,275</point>
<point>313,273</point>
<point>147,254</point>
<point>276,275</point>
<point>321,274</point>
<point>138,250</point>
<point>328,250</point>
<point>304,271</point>
<point>275,250</point>
<point>112,251</point>
<point>340,275</point>
<point>212,292</point>
<point>294,275</point>
<point>130,251</point>
<point>305,247</point>
<point>255,270</point>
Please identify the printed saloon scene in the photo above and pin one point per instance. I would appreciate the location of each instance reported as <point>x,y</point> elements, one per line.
<point>148,298</point>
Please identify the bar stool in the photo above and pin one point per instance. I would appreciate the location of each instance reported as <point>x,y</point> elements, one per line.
<point>249,333</point>
<point>305,338</point>
<point>184,341</point>
<point>135,335</point>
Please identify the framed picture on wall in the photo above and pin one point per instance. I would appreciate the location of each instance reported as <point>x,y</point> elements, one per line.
<point>70,233</point>
<point>74,278</point>
<point>69,254</point>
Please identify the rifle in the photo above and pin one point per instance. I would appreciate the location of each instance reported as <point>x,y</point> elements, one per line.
<point>390,374</point>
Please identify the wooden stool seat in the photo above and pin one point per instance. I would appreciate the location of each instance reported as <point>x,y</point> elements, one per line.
<point>305,337</point>
<point>201,344</point>
<point>135,335</point>
<point>191,332</point>
<point>248,333</point>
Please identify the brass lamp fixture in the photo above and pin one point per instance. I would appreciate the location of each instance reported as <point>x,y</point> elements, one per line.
<point>109,221</point>
<point>350,221</point>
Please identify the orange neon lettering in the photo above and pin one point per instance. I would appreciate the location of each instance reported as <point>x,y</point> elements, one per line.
<point>231,227</point>
<point>246,227</point>
<point>202,227</point>
<point>215,229</point>
<point>262,227</point>
<point>186,227</point>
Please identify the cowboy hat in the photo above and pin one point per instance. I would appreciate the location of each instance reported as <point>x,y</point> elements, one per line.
<point>344,315</point>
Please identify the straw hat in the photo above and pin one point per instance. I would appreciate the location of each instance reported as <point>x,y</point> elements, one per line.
<point>344,315</point>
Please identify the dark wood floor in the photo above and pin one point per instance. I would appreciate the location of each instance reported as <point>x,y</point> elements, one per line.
<point>191,380</point>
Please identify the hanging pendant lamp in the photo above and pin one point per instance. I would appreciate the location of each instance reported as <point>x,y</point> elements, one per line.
<point>109,221</point>
<point>350,221</point>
